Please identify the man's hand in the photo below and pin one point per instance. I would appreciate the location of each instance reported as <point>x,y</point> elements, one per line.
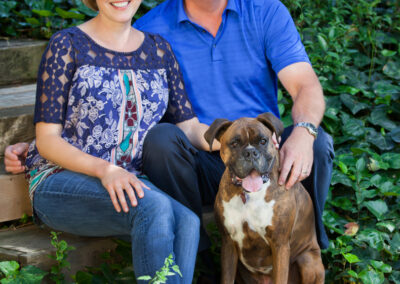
<point>296,157</point>
<point>14,157</point>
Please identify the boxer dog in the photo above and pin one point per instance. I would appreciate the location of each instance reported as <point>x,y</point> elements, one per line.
<point>267,231</point>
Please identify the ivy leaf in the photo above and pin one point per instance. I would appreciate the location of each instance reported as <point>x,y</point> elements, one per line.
<point>352,273</point>
<point>352,104</point>
<point>352,126</point>
<point>339,177</point>
<point>379,117</point>
<point>6,7</point>
<point>351,258</point>
<point>393,159</point>
<point>376,138</point>
<point>9,268</point>
<point>395,134</point>
<point>381,266</point>
<point>392,70</point>
<point>388,53</point>
<point>377,207</point>
<point>395,277</point>
<point>395,243</point>
<point>69,14</point>
<point>31,274</point>
<point>43,13</point>
<point>322,42</point>
<point>371,277</point>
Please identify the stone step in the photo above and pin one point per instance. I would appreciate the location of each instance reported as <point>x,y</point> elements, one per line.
<point>16,115</point>
<point>31,246</point>
<point>20,60</point>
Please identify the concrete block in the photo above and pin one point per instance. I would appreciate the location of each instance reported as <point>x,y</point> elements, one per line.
<point>20,60</point>
<point>16,115</point>
<point>31,246</point>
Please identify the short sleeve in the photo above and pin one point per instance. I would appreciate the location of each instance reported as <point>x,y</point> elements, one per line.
<point>54,80</point>
<point>179,107</point>
<point>282,41</point>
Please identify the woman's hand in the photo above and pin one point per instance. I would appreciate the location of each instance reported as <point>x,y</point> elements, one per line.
<point>117,180</point>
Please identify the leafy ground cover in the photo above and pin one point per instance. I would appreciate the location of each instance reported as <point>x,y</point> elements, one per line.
<point>354,47</point>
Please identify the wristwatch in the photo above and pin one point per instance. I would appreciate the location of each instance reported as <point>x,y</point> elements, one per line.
<point>310,127</point>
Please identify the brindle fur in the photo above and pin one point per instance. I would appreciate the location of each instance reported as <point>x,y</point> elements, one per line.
<point>292,247</point>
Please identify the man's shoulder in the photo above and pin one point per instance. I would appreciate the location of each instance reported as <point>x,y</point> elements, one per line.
<point>262,7</point>
<point>156,18</point>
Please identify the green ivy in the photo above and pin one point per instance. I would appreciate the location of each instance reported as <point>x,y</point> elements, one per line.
<point>354,48</point>
<point>40,19</point>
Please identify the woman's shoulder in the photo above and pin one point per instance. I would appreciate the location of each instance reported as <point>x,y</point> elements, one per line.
<point>157,39</point>
<point>64,37</point>
<point>156,42</point>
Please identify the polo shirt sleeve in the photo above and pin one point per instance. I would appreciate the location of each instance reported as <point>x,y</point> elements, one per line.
<point>282,42</point>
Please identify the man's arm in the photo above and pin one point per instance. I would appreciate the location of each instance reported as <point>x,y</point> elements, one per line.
<point>296,155</point>
<point>194,131</point>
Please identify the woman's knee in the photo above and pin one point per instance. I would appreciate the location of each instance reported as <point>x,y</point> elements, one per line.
<point>154,208</point>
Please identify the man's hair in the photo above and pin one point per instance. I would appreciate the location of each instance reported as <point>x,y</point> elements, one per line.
<point>91,4</point>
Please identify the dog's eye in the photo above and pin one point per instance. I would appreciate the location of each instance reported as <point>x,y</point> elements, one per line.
<point>263,141</point>
<point>234,144</point>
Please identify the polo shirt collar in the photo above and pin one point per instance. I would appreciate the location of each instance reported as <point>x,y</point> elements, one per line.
<point>182,16</point>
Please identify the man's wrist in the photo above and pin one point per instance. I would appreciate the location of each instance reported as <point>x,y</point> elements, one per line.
<point>311,128</point>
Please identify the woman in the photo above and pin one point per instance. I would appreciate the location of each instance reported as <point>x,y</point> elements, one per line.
<point>101,87</point>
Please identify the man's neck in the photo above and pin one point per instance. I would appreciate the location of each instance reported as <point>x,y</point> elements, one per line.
<point>206,13</point>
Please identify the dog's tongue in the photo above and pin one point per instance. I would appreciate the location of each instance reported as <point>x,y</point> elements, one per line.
<point>253,182</point>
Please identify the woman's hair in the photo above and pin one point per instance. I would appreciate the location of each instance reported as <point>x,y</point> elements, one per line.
<point>91,4</point>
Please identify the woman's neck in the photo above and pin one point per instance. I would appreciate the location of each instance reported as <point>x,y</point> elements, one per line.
<point>113,35</point>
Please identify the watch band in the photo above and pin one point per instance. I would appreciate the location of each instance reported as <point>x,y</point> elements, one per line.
<point>309,126</point>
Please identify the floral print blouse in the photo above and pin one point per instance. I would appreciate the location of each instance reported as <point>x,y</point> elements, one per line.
<point>105,100</point>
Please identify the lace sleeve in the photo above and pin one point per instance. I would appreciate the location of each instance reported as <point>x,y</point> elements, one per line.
<point>54,80</point>
<point>179,106</point>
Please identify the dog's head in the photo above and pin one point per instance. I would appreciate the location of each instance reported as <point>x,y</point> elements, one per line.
<point>247,148</point>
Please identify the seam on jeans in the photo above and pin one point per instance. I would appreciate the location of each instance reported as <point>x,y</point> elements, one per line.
<point>83,196</point>
<point>142,221</point>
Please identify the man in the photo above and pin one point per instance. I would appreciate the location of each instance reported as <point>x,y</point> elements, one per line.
<point>231,54</point>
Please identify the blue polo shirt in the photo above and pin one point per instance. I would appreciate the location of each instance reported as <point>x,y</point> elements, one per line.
<point>234,73</point>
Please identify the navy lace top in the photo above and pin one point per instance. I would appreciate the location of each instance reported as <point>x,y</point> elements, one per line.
<point>105,100</point>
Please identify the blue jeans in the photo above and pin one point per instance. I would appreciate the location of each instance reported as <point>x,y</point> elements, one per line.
<point>157,226</point>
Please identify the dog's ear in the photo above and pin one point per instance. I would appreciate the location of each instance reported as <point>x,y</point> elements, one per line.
<point>216,129</point>
<point>272,122</point>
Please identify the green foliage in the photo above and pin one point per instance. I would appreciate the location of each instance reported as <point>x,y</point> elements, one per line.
<point>162,274</point>
<point>41,18</point>
<point>354,48</point>
<point>116,267</point>
<point>10,273</point>
<point>62,249</point>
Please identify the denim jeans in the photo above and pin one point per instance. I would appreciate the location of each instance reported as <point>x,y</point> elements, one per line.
<point>157,226</point>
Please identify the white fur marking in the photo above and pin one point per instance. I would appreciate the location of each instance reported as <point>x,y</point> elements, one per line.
<point>256,212</point>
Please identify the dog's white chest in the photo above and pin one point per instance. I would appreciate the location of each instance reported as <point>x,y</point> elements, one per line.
<point>255,211</point>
